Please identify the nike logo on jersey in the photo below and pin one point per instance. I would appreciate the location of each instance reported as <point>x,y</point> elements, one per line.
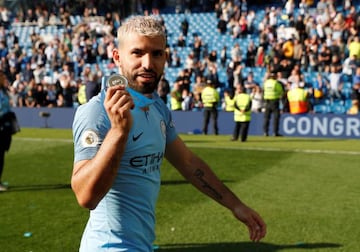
<point>135,138</point>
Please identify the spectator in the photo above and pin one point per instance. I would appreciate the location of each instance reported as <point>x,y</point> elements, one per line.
<point>257,98</point>
<point>30,101</point>
<point>40,96</point>
<point>5,126</point>
<point>354,47</point>
<point>251,54</point>
<point>222,25</point>
<point>223,56</point>
<point>92,87</point>
<point>260,57</point>
<point>181,41</point>
<point>187,100</point>
<point>184,79</point>
<point>335,84</point>
<point>355,95</point>
<point>319,89</point>
<point>184,27</point>
<point>163,89</point>
<point>250,83</point>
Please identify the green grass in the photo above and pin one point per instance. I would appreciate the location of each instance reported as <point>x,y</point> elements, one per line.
<point>307,190</point>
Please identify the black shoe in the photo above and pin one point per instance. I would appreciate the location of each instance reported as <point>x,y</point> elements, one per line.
<point>266,134</point>
<point>278,135</point>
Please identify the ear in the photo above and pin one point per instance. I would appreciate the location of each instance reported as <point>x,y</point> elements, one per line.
<point>116,57</point>
<point>167,55</point>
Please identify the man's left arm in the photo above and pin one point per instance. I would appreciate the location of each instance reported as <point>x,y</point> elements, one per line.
<point>199,174</point>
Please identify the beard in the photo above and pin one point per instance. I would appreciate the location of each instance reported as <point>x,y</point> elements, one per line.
<point>142,87</point>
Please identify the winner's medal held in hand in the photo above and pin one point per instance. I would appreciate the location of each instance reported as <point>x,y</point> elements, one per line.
<point>140,100</point>
<point>116,79</point>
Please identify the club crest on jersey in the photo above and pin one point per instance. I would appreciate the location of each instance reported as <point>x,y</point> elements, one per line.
<point>163,127</point>
<point>89,139</point>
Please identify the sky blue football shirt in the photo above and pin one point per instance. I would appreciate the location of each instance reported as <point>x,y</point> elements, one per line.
<point>124,220</point>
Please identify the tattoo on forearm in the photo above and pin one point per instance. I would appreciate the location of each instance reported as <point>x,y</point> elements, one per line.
<point>200,176</point>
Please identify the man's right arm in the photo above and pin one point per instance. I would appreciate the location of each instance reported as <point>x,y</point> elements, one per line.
<point>92,179</point>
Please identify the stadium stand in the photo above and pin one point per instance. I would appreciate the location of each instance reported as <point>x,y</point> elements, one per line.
<point>34,38</point>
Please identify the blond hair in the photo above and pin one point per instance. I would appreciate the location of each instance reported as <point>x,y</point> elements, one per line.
<point>148,26</point>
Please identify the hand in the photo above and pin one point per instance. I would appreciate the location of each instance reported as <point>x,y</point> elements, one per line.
<point>253,221</point>
<point>118,104</point>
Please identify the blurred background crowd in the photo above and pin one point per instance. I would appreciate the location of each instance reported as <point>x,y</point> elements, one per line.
<point>54,53</point>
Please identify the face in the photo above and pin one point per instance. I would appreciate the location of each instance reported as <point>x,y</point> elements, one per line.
<point>141,60</point>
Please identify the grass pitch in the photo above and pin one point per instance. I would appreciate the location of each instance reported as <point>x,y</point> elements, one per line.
<point>307,190</point>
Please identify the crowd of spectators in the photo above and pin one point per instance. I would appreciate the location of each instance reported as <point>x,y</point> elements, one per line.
<point>313,45</point>
<point>292,40</point>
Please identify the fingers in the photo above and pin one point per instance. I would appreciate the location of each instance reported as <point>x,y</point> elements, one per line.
<point>253,221</point>
<point>257,228</point>
<point>118,100</point>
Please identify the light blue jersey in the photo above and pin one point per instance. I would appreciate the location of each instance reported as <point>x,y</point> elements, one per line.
<point>124,220</point>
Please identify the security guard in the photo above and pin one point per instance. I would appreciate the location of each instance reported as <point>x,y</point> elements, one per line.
<point>210,97</point>
<point>242,114</point>
<point>81,92</point>
<point>298,100</point>
<point>273,93</point>
<point>229,101</point>
<point>175,97</point>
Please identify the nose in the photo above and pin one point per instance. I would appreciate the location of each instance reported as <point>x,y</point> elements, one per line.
<point>147,61</point>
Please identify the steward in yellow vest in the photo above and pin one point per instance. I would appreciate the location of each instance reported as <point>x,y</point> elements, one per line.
<point>229,101</point>
<point>210,98</point>
<point>82,94</point>
<point>175,97</point>
<point>242,114</point>
<point>298,100</point>
<point>273,92</point>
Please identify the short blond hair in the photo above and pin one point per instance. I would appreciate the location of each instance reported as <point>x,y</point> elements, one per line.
<point>149,26</point>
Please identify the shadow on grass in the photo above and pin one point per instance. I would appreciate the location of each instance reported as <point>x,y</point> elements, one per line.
<point>243,246</point>
<point>19,188</point>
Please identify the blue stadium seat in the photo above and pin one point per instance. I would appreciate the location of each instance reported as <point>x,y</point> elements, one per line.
<point>321,108</point>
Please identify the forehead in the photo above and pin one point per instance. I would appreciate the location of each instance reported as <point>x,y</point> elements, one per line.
<point>138,41</point>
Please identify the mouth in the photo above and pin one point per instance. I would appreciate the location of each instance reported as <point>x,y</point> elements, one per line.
<point>146,77</point>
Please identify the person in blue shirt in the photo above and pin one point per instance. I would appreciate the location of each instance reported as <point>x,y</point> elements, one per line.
<point>120,139</point>
<point>5,127</point>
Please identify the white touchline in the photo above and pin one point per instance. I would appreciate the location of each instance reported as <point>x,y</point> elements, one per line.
<point>341,152</point>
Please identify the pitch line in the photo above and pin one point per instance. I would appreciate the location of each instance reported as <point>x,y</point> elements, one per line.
<point>341,152</point>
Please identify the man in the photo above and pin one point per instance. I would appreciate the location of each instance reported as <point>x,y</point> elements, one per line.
<point>120,139</point>
<point>210,97</point>
<point>242,114</point>
<point>176,97</point>
<point>298,100</point>
<point>273,92</point>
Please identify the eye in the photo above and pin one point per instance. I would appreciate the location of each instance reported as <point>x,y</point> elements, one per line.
<point>137,53</point>
<point>158,53</point>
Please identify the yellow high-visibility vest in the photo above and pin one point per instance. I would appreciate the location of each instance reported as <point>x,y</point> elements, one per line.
<point>297,98</point>
<point>272,89</point>
<point>82,94</point>
<point>229,104</point>
<point>210,97</point>
<point>243,103</point>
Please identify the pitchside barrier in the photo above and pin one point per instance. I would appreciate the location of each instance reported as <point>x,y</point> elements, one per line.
<point>190,122</point>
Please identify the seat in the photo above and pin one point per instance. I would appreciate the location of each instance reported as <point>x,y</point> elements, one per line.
<point>321,108</point>
<point>337,109</point>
